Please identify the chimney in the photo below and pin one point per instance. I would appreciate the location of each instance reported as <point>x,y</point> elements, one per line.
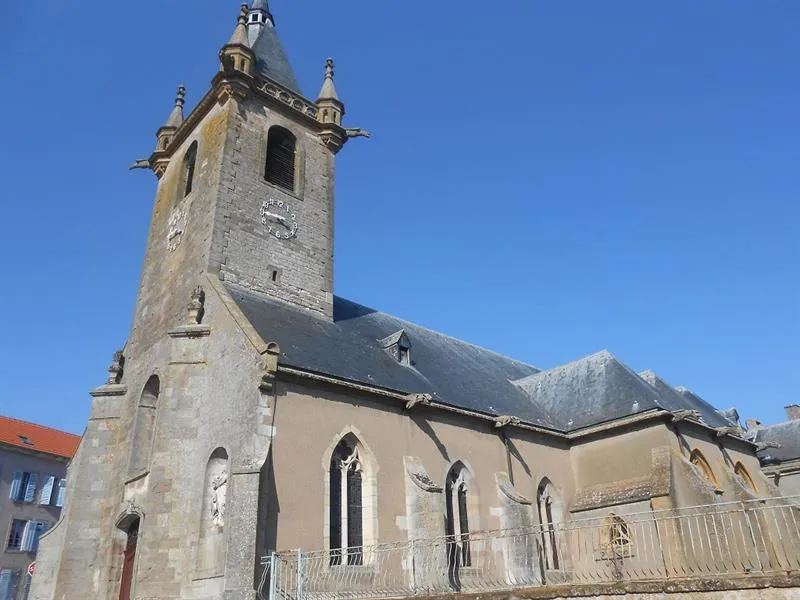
<point>753,425</point>
<point>793,412</point>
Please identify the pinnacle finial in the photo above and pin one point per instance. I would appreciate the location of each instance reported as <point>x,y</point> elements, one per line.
<point>181,94</point>
<point>240,32</point>
<point>176,116</point>
<point>328,91</point>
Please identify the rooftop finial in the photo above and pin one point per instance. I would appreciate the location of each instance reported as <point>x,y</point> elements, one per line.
<point>240,32</point>
<point>181,94</point>
<point>176,116</point>
<point>328,91</point>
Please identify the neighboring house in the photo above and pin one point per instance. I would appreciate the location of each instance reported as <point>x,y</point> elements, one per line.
<point>779,450</point>
<point>33,467</point>
<point>251,410</point>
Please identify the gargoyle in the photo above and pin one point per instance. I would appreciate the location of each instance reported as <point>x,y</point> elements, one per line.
<point>414,399</point>
<point>682,415</point>
<point>505,420</point>
<point>764,445</point>
<point>142,163</point>
<point>354,132</point>
<point>723,431</point>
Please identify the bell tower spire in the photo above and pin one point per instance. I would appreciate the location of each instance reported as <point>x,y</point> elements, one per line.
<point>258,18</point>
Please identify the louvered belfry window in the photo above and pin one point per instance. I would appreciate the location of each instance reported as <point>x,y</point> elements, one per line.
<point>346,511</point>
<point>281,158</point>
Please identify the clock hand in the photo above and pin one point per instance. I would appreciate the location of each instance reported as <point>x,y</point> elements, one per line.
<point>279,218</point>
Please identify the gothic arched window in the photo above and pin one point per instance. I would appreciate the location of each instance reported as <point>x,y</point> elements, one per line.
<point>143,428</point>
<point>619,540</point>
<point>187,169</point>
<point>742,473</point>
<point>457,514</point>
<point>699,461</point>
<point>281,158</point>
<point>550,517</point>
<point>346,510</point>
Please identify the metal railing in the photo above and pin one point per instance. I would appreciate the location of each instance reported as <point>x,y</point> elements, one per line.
<point>733,538</point>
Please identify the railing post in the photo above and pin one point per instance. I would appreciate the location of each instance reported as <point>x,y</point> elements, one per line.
<point>413,567</point>
<point>273,575</point>
<point>300,575</point>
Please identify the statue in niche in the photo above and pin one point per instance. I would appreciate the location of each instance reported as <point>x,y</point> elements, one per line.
<point>219,489</point>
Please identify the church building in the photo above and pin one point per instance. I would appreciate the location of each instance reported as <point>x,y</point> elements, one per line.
<point>253,411</point>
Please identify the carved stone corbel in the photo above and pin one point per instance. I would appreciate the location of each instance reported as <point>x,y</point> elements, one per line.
<point>270,368</point>
<point>231,89</point>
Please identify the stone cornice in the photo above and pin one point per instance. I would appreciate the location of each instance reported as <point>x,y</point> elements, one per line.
<point>190,331</point>
<point>118,389</point>
<point>602,429</point>
<point>265,88</point>
<point>786,467</point>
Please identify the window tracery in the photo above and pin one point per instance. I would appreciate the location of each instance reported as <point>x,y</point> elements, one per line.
<point>346,507</point>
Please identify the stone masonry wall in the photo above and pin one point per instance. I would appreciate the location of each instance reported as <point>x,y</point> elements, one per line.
<point>168,276</point>
<point>243,251</point>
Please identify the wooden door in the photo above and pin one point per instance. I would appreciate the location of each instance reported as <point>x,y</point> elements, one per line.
<point>128,562</point>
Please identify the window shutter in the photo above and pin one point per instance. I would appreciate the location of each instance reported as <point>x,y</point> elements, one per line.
<point>30,490</point>
<point>5,584</point>
<point>27,536</point>
<point>47,490</point>
<point>62,490</point>
<point>12,584</point>
<point>16,484</point>
<point>40,528</point>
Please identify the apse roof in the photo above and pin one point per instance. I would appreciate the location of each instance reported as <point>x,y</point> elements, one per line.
<point>786,435</point>
<point>589,391</point>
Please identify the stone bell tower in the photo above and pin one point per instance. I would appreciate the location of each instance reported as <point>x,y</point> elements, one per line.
<point>244,197</point>
<point>245,186</point>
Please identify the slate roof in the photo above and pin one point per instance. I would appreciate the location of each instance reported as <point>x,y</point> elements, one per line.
<point>589,391</point>
<point>787,434</point>
<point>39,438</point>
<point>596,389</point>
<point>455,372</point>
<point>271,60</point>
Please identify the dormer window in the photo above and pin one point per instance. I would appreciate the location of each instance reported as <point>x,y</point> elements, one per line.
<point>398,346</point>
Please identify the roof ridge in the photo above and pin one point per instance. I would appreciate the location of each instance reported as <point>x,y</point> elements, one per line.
<point>39,425</point>
<point>604,352</point>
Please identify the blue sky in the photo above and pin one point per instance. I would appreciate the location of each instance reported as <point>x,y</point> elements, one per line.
<point>546,178</point>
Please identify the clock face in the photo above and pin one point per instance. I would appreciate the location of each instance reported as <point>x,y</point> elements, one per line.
<point>279,219</point>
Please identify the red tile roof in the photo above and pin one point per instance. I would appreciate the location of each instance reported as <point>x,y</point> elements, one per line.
<point>38,438</point>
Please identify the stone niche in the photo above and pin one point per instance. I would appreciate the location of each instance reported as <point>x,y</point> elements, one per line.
<point>210,560</point>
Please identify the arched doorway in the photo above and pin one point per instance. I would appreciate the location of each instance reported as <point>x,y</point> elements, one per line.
<point>129,560</point>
